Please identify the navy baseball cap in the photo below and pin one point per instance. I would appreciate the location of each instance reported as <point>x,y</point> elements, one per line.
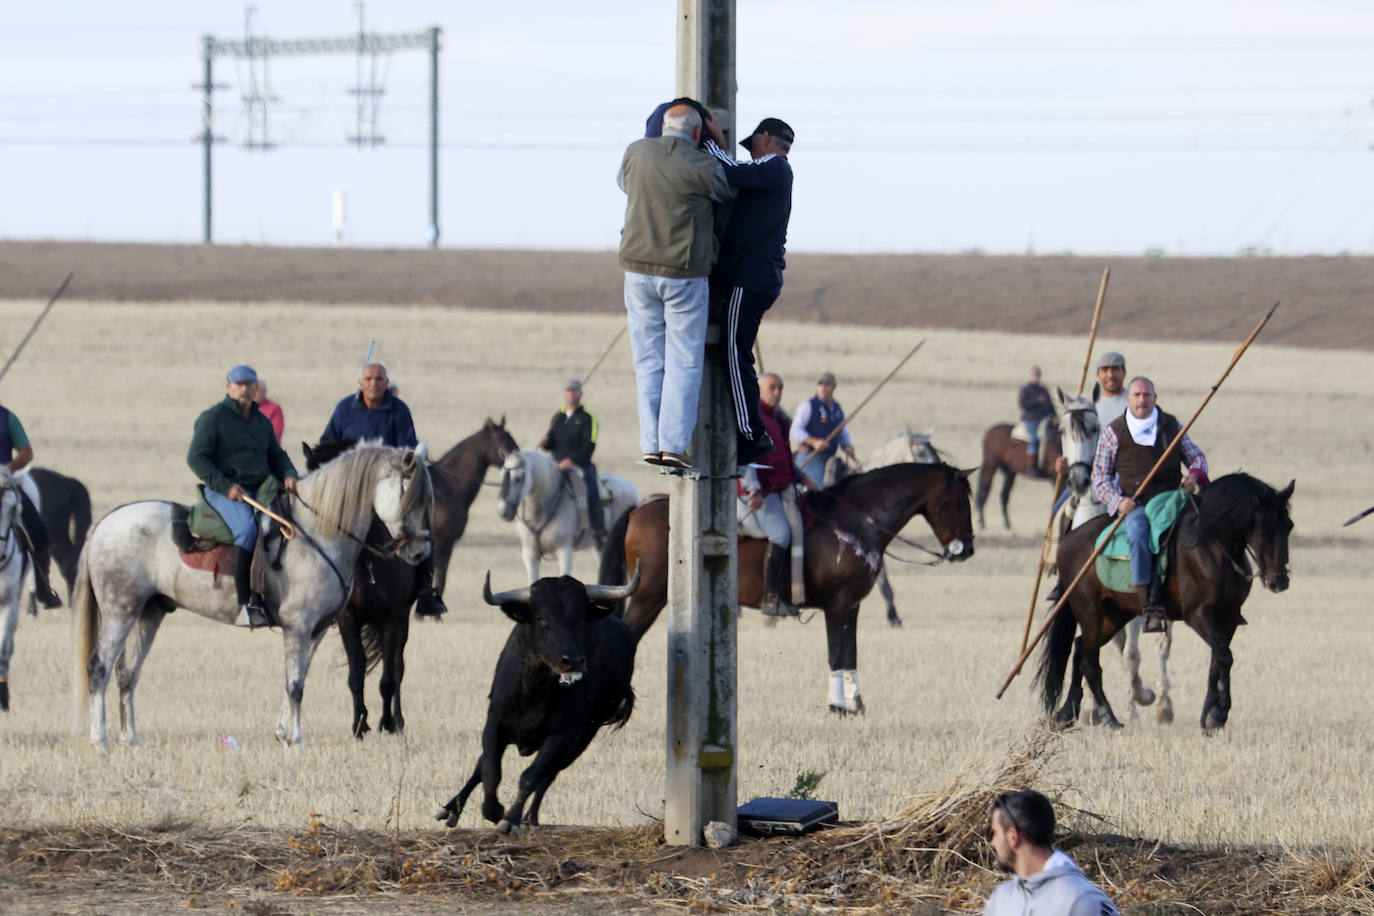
<point>774,127</point>
<point>653,127</point>
<point>241,374</point>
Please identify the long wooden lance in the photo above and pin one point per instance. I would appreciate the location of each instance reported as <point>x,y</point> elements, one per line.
<point>825,443</point>
<point>36,322</point>
<point>1059,475</point>
<point>1103,539</point>
<point>604,354</point>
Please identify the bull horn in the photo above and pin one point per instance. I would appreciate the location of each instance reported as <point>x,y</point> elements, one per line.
<point>500,598</point>
<point>614,592</point>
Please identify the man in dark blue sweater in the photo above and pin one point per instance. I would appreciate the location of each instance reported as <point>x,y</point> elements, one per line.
<point>748,276</point>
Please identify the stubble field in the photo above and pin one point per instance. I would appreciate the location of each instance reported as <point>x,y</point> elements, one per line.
<point>109,392</point>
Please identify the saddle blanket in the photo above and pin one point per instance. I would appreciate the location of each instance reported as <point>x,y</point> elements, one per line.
<point>218,560</point>
<point>1114,563</point>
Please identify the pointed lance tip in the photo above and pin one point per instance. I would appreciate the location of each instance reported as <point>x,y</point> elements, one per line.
<point>1272,311</point>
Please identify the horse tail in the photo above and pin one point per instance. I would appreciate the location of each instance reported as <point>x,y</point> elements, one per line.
<point>1054,659</point>
<point>613,570</point>
<point>371,637</point>
<point>81,515</point>
<point>86,620</point>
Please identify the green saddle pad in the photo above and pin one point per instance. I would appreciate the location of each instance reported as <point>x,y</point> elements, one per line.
<point>206,524</point>
<point>1114,562</point>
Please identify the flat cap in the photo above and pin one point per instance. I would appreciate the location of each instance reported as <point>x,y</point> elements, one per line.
<point>1111,359</point>
<point>826,378</point>
<point>241,374</point>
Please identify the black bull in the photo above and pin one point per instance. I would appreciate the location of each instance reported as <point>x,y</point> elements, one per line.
<point>563,674</point>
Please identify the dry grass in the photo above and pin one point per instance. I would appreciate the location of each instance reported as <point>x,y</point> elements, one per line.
<point>109,393</point>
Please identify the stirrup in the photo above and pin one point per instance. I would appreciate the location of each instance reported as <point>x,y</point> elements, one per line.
<point>1154,620</point>
<point>252,615</point>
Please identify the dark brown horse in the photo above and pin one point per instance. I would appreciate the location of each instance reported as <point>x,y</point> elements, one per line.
<point>1003,453</point>
<point>375,623</point>
<point>853,523</point>
<point>65,506</point>
<point>1233,517</point>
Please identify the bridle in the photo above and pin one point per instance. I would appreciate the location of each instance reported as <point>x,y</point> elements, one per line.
<point>514,502</point>
<point>932,509</point>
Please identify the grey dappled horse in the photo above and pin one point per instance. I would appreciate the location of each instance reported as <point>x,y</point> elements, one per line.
<point>534,492</point>
<point>1080,428</point>
<point>13,565</point>
<point>130,577</point>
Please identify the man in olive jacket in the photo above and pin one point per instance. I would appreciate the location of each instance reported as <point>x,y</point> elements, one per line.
<point>666,250</point>
<point>233,450</point>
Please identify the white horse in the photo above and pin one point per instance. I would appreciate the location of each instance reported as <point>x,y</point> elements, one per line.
<point>13,565</point>
<point>1079,429</point>
<point>130,577</point>
<point>537,494</point>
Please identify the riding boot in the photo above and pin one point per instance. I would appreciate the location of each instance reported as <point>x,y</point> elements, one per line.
<point>251,611</point>
<point>1150,607</point>
<point>42,585</point>
<point>427,602</point>
<point>597,521</point>
<point>776,566</point>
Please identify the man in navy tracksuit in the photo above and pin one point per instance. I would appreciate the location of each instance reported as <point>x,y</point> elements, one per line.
<point>748,276</point>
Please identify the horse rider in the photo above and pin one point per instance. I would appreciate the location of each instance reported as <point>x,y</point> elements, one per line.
<point>233,450</point>
<point>571,440</point>
<point>16,451</point>
<point>1127,449</point>
<point>375,412</point>
<point>1034,401</point>
<point>816,418</point>
<point>1110,404</point>
<point>767,505</point>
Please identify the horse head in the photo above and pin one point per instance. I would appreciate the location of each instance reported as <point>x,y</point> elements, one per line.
<point>922,452</point>
<point>404,502</point>
<point>1268,537</point>
<point>499,443</point>
<point>949,514</point>
<point>514,483</point>
<point>1078,431</point>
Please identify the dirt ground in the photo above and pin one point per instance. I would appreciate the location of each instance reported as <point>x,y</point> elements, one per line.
<point>1325,301</point>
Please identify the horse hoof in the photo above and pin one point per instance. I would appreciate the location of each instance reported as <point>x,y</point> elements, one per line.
<point>838,710</point>
<point>1145,696</point>
<point>895,622</point>
<point>1165,716</point>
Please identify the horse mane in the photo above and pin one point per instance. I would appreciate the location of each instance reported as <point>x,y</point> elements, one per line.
<point>878,477</point>
<point>341,492</point>
<point>1227,506</point>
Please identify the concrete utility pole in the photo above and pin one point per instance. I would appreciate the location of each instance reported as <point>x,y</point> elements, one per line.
<point>703,563</point>
<point>362,44</point>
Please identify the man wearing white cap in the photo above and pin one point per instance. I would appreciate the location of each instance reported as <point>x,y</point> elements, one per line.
<point>233,450</point>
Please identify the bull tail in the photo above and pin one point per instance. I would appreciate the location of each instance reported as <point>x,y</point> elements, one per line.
<point>1054,659</point>
<point>86,621</point>
<point>622,712</point>
<point>613,570</point>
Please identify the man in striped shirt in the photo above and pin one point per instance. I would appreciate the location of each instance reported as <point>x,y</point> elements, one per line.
<point>1126,451</point>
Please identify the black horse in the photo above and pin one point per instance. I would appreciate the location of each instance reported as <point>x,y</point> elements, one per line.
<point>375,623</point>
<point>1234,516</point>
<point>856,519</point>
<point>66,511</point>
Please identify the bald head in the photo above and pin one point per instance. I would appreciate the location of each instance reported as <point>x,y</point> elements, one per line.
<point>683,119</point>
<point>770,389</point>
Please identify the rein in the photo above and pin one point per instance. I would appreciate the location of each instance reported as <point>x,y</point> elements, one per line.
<point>379,554</point>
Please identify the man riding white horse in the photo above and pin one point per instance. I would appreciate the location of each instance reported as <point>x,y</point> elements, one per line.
<point>571,440</point>
<point>1126,451</point>
<point>234,450</point>
<point>767,505</point>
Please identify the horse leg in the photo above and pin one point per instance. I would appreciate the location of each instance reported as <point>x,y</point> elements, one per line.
<point>1165,714</point>
<point>886,589</point>
<point>127,668</point>
<point>1008,480</point>
<point>115,625</point>
<point>351,632</point>
<point>1127,641</point>
<point>393,669</point>
<point>299,648</point>
<point>1092,672</point>
<point>529,552</point>
<point>565,559</point>
<point>1216,707</point>
<point>839,638</point>
<point>443,550</point>
<point>980,497</point>
<point>1073,700</point>
<point>10,623</point>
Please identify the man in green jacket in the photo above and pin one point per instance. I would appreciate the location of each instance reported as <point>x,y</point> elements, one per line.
<point>234,449</point>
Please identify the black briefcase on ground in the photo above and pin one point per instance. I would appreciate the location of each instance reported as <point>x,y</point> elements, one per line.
<point>785,816</point>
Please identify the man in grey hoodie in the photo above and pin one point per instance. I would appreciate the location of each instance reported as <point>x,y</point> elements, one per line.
<point>1047,883</point>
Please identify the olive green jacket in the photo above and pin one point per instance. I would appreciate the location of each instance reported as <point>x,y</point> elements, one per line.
<point>227,449</point>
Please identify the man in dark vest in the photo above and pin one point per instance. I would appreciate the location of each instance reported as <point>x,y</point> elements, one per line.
<point>571,440</point>
<point>16,452</point>
<point>815,420</point>
<point>1126,451</point>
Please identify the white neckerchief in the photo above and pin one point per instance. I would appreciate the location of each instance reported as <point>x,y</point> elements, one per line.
<point>1143,431</point>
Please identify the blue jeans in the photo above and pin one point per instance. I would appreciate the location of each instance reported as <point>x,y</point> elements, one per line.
<point>815,471</point>
<point>1137,527</point>
<point>768,521</point>
<point>667,319</point>
<point>238,516</point>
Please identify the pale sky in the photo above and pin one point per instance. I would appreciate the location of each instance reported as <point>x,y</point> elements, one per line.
<point>1189,128</point>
